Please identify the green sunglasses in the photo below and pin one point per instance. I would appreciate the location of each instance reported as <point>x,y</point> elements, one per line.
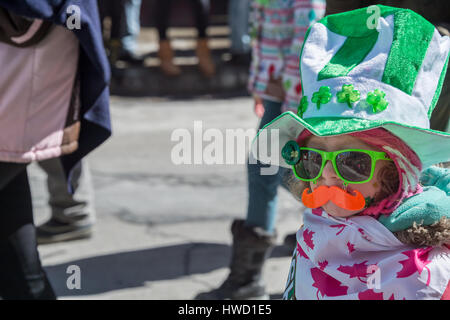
<point>353,166</point>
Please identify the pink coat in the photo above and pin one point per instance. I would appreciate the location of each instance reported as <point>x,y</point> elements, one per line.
<point>36,88</point>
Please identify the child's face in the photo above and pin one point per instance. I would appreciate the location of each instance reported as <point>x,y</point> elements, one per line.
<point>330,178</point>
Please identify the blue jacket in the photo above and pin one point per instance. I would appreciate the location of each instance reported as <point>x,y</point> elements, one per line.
<point>93,68</point>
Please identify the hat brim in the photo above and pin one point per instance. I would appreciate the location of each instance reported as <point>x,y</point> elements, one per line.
<point>431,146</point>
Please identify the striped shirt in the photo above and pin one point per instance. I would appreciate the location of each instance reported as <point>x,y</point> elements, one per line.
<point>278,28</point>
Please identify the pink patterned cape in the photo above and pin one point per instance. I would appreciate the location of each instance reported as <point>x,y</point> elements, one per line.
<point>357,258</point>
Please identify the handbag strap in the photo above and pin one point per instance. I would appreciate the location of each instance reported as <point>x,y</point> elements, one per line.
<point>18,31</point>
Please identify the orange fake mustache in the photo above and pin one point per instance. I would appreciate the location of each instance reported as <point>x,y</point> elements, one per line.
<point>338,196</point>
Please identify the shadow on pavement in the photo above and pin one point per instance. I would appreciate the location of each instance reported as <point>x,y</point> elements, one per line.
<point>101,274</point>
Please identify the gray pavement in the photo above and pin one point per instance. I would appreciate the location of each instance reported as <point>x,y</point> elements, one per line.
<point>162,230</point>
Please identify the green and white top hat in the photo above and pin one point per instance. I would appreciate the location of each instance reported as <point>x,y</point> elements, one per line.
<point>368,68</point>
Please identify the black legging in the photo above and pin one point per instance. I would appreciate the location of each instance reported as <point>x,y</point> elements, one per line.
<point>21,272</point>
<point>115,9</point>
<point>201,13</point>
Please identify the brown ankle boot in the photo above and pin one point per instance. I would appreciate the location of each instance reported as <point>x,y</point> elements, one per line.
<point>205,62</point>
<point>165,55</point>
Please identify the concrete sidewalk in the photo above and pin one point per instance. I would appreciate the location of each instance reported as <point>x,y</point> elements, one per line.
<point>162,230</point>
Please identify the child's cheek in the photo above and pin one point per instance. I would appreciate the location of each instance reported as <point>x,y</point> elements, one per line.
<point>368,190</point>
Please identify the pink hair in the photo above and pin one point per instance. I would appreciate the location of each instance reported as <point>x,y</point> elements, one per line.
<point>406,161</point>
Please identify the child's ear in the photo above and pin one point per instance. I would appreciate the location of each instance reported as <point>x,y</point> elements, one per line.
<point>435,235</point>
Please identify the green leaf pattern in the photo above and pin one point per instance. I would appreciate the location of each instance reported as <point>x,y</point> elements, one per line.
<point>348,95</point>
<point>377,101</point>
<point>303,106</point>
<point>322,96</point>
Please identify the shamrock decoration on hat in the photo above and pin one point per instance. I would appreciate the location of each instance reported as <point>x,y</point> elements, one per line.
<point>361,77</point>
<point>377,101</point>
<point>348,95</point>
<point>303,106</point>
<point>322,96</point>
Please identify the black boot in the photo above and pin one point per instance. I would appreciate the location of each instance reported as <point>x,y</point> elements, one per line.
<point>251,248</point>
<point>22,276</point>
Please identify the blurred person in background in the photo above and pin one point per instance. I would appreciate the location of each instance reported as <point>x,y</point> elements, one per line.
<point>200,9</point>
<point>124,29</point>
<point>54,103</point>
<point>238,14</point>
<point>277,28</point>
<point>72,214</point>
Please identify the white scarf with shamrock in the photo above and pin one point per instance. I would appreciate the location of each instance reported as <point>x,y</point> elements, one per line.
<point>357,258</point>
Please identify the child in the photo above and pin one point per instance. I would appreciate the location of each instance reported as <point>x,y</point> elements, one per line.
<point>377,228</point>
<point>277,28</point>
